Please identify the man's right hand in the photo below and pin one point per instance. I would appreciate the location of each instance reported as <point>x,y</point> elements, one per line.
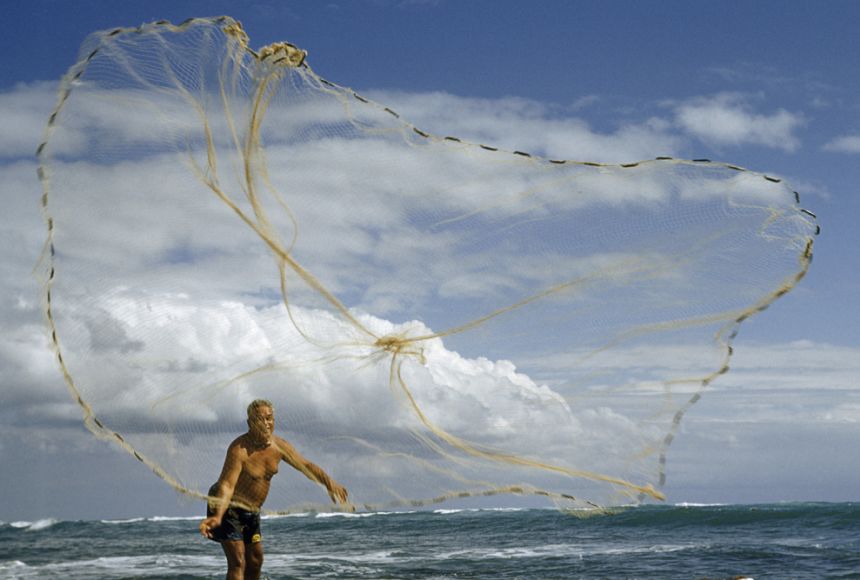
<point>207,526</point>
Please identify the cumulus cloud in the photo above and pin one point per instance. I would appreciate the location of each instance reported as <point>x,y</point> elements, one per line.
<point>729,119</point>
<point>196,364</point>
<point>844,144</point>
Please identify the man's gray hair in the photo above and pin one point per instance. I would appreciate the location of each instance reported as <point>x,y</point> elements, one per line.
<point>257,403</point>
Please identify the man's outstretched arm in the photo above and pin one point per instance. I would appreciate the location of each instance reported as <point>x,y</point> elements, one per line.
<point>312,471</point>
<point>224,489</point>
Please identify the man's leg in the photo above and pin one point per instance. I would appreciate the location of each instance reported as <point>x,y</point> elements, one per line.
<point>253,560</point>
<point>235,552</point>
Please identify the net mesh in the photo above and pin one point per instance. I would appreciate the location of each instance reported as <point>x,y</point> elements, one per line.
<point>433,319</point>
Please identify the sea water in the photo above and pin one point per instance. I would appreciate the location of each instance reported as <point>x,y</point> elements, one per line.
<point>793,540</point>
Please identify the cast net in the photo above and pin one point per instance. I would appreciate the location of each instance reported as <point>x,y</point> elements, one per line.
<point>433,319</point>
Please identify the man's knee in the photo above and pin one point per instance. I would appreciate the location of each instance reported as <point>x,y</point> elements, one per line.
<point>236,558</point>
<point>254,557</point>
<point>236,562</point>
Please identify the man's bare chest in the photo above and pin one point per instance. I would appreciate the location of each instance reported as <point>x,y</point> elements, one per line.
<point>261,464</point>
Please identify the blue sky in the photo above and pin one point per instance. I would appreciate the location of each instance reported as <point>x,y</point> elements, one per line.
<point>771,86</point>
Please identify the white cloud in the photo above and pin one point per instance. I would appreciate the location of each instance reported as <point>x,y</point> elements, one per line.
<point>29,375</point>
<point>728,119</point>
<point>844,144</point>
<point>390,217</point>
<point>789,383</point>
<point>25,111</point>
<point>518,124</point>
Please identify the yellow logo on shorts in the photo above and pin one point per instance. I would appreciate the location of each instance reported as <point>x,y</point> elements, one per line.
<point>256,538</point>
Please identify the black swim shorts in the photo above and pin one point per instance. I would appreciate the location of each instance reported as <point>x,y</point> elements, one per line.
<point>237,524</point>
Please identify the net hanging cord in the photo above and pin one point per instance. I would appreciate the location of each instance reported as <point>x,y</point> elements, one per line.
<point>395,345</point>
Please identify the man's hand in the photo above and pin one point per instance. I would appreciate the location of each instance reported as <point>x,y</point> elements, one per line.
<point>338,493</point>
<point>208,526</point>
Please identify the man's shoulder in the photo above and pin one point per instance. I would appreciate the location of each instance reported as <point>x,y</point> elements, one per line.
<point>238,445</point>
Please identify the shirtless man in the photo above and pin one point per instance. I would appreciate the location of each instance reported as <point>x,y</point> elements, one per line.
<point>252,460</point>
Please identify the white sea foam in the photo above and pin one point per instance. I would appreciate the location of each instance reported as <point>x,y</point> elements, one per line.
<point>359,514</point>
<point>580,550</point>
<point>42,524</point>
<point>281,516</point>
<point>653,549</point>
<point>446,511</point>
<point>152,519</point>
<point>440,511</point>
<point>364,558</point>
<point>128,521</point>
<point>155,565</point>
<point>20,524</point>
<point>349,514</point>
<point>575,550</point>
<point>692,504</point>
<point>377,557</point>
<point>13,566</point>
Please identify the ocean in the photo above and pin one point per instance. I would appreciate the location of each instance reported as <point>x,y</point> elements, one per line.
<point>791,540</point>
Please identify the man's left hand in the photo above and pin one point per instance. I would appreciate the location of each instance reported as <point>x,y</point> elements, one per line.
<point>338,493</point>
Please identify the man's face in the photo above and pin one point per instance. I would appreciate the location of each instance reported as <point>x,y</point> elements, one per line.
<point>262,422</point>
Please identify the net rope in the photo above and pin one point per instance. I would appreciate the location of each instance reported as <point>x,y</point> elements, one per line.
<point>434,319</point>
